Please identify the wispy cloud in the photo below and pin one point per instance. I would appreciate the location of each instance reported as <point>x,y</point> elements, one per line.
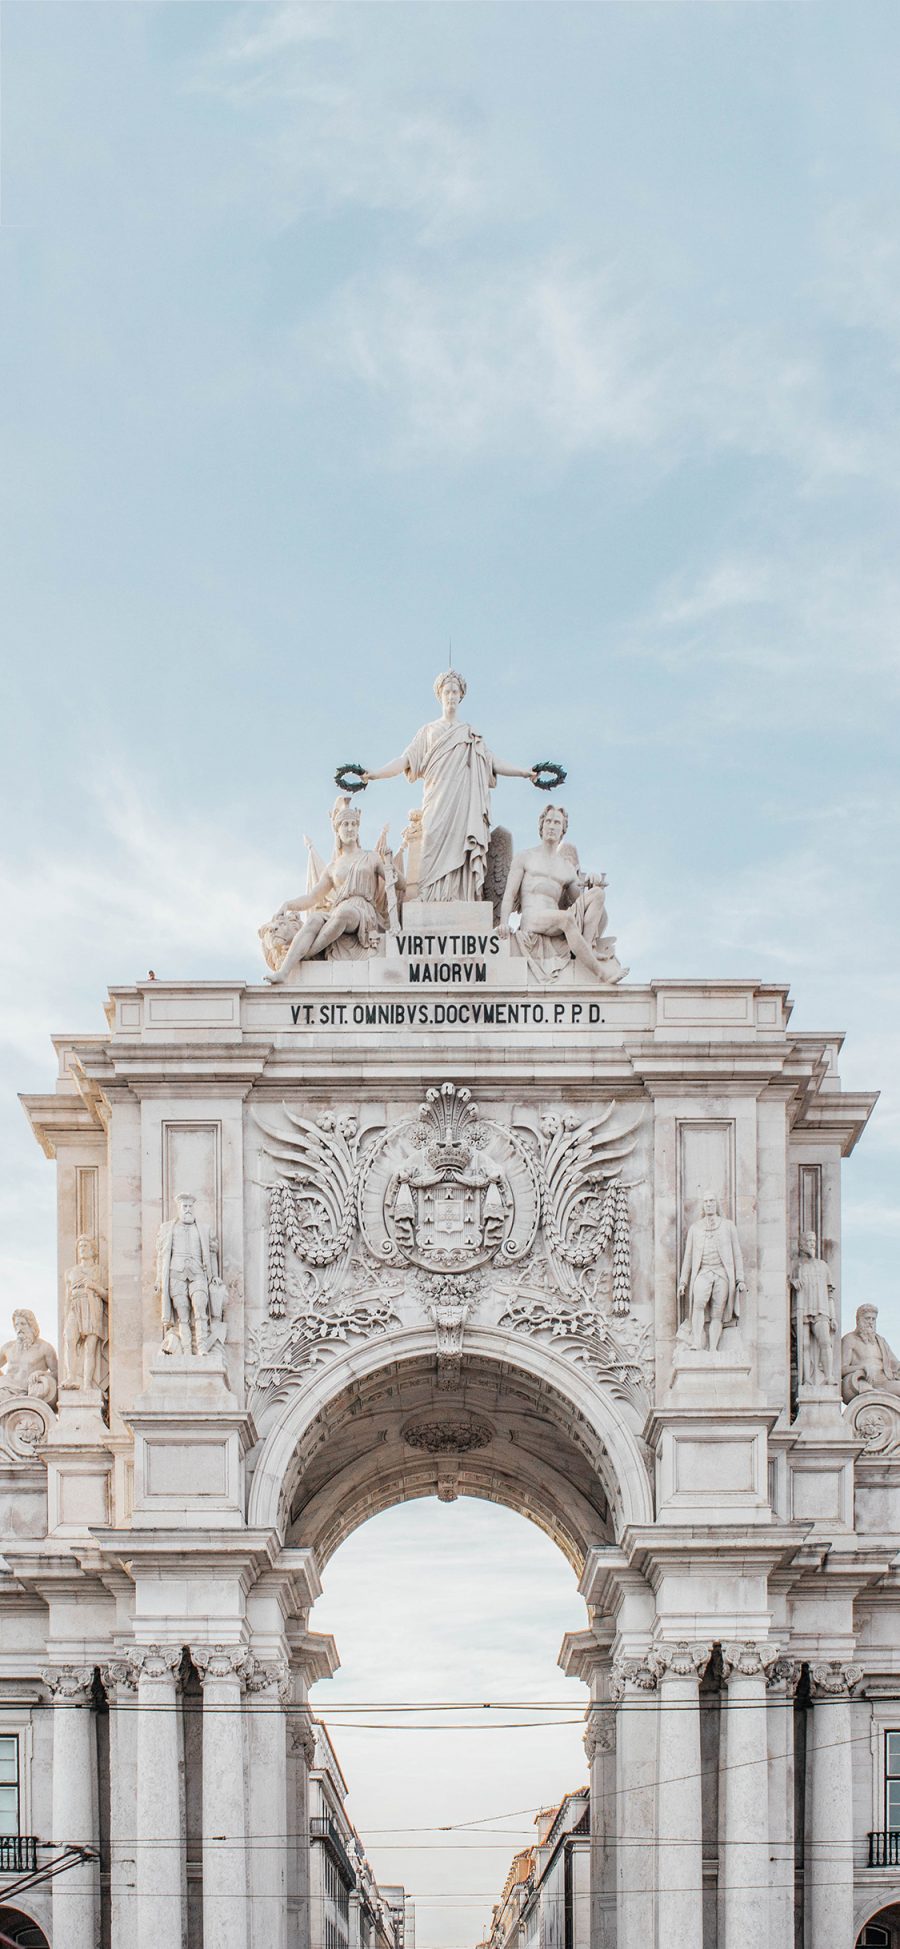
<point>507,359</point>
<point>559,355</point>
<point>339,128</point>
<point>811,620</point>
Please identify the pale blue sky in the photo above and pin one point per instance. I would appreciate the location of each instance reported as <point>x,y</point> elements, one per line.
<point>568,333</point>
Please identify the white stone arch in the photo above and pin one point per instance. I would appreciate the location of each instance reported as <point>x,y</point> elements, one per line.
<point>870,1904</point>
<point>622,1467</point>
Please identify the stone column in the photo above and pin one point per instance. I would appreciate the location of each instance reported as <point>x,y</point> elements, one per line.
<point>120,1680</point>
<point>160,1849</point>
<point>831,1836</point>
<point>75,1894</point>
<point>269,1687</point>
<point>782,1679</point>
<point>633,1687</point>
<point>600,1752</point>
<point>225,1890</point>
<point>744,1843</point>
<point>679,1824</point>
<point>301,1758</point>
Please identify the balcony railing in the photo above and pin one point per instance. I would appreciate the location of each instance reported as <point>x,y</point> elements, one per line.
<point>322,1828</point>
<point>18,1854</point>
<point>884,1848</point>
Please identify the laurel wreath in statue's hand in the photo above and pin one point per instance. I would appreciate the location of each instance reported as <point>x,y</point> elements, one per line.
<point>352,778</point>
<point>547,776</point>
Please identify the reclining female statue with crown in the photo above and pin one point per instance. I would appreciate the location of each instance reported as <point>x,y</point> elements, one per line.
<point>349,907</point>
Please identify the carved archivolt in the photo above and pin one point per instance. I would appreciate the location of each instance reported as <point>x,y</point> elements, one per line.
<point>438,1209</point>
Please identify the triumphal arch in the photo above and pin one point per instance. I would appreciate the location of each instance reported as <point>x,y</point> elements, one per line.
<point>440,1201</point>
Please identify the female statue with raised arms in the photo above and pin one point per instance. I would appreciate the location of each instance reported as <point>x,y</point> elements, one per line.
<point>458,773</point>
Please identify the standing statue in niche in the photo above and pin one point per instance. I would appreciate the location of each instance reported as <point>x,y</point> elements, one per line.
<point>28,1364</point>
<point>192,1295</point>
<point>560,907</point>
<point>712,1277</point>
<point>867,1363</point>
<point>816,1314</point>
<point>84,1328</point>
<point>352,897</point>
<point>458,773</point>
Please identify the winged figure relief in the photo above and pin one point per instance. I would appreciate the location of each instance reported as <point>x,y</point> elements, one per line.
<point>584,1204</point>
<point>312,1204</point>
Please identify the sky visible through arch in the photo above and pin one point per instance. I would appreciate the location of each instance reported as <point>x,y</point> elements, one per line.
<point>333,336</point>
<point>445,1602</point>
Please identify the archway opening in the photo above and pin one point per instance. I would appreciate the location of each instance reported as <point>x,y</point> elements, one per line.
<point>449,1716</point>
<point>21,1930</point>
<point>410,1483</point>
<point>472,1426</point>
<point>882,1931</point>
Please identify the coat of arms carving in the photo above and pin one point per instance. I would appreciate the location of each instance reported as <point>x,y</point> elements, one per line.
<point>451,1191</point>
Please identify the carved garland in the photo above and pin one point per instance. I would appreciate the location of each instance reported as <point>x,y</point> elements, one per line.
<point>286,1225</point>
<point>612,1227</point>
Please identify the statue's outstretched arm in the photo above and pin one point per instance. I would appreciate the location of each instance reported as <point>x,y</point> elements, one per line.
<point>393,770</point>
<point>513,771</point>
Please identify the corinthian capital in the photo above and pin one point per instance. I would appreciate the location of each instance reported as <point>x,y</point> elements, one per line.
<point>639,1672</point>
<point>748,1660</point>
<point>155,1661</point>
<point>600,1731</point>
<point>69,1684</point>
<point>120,1674</point>
<point>785,1672</point>
<point>303,1739</point>
<point>682,1660</point>
<point>834,1680</point>
<point>221,1661</point>
<point>274,1677</point>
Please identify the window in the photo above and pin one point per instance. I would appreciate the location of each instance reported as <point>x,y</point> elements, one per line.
<point>892,1780</point>
<point>9,1783</point>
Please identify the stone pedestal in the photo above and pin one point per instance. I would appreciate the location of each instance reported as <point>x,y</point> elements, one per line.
<point>744,1833</point>
<point>190,1439</point>
<point>75,1904</point>
<point>712,1468</point>
<point>79,1465</point>
<point>160,1868</point>
<point>225,1887</point>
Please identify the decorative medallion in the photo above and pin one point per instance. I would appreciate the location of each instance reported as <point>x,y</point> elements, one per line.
<point>450,1437</point>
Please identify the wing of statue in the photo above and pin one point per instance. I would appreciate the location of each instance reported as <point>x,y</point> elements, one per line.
<point>581,1163</point>
<point>497,865</point>
<point>315,865</point>
<point>316,1166</point>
